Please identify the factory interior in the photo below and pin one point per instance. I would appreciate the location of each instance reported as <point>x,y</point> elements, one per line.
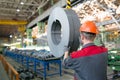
<point>34,35</point>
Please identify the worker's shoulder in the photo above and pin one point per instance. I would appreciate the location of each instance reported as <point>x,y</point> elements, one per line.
<point>89,51</point>
<point>94,48</point>
<point>101,48</point>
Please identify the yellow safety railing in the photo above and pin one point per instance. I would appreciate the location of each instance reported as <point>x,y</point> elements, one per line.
<point>12,73</point>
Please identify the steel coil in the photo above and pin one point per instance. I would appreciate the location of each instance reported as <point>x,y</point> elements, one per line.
<point>63,30</point>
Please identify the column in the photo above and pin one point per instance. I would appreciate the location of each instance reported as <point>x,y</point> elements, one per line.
<point>29,37</point>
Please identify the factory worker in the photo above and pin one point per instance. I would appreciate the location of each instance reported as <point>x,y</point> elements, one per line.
<point>89,63</point>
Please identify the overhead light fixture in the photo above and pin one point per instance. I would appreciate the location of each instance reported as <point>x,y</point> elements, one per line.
<point>15,37</point>
<point>22,3</point>
<point>10,36</point>
<point>18,10</point>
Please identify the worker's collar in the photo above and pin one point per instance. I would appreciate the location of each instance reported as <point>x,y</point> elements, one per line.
<point>87,45</point>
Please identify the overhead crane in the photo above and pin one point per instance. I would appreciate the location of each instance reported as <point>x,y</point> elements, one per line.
<point>13,22</point>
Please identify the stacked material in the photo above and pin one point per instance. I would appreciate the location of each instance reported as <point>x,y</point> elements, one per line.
<point>98,10</point>
<point>41,54</point>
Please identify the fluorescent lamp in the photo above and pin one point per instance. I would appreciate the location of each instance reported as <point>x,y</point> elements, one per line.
<point>22,3</point>
<point>10,36</point>
<point>18,10</point>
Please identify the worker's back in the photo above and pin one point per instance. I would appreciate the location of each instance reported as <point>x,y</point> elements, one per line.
<point>90,63</point>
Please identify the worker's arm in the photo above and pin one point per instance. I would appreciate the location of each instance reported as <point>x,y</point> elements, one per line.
<point>66,52</point>
<point>66,55</point>
<point>68,62</point>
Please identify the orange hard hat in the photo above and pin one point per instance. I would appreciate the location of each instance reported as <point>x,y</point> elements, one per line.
<point>89,26</point>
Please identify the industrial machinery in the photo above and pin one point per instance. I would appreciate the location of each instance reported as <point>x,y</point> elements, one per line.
<point>32,60</point>
<point>63,30</point>
<point>114,62</point>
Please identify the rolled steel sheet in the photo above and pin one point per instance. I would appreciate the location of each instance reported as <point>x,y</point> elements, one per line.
<point>74,25</point>
<point>63,30</point>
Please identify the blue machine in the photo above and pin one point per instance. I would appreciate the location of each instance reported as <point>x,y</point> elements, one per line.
<point>32,62</point>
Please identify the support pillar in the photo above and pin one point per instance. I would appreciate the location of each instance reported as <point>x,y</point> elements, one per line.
<point>41,27</point>
<point>29,37</point>
<point>51,2</point>
<point>21,29</point>
<point>22,39</point>
<point>40,11</point>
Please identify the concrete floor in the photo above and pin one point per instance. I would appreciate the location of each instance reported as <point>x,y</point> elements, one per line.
<point>3,74</point>
<point>66,75</point>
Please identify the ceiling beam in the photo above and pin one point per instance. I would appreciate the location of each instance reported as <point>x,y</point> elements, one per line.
<point>28,4</point>
<point>60,3</point>
<point>43,3</point>
<point>13,18</point>
<point>12,22</point>
<point>11,9</point>
<point>12,15</point>
<point>107,22</point>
